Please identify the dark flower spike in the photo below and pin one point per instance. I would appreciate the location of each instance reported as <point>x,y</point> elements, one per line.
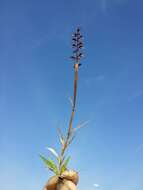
<point>74,39</point>
<point>75,51</point>
<point>72,57</point>
<point>74,35</point>
<point>73,45</point>
<point>77,45</point>
<point>78,30</point>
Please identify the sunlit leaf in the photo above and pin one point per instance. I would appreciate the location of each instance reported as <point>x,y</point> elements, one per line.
<point>53,152</point>
<point>64,166</point>
<point>50,164</point>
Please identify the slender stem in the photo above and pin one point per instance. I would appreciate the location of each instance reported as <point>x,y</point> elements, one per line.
<point>76,67</point>
<point>74,101</point>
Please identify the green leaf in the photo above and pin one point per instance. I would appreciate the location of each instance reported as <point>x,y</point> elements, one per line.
<point>54,153</point>
<point>50,164</point>
<point>64,166</point>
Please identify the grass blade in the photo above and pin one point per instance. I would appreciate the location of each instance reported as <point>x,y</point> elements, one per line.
<point>50,164</point>
<point>64,166</point>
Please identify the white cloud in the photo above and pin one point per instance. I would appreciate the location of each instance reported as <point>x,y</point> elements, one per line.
<point>96,185</point>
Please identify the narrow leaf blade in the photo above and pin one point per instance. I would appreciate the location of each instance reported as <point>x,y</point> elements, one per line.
<point>50,164</point>
<point>64,166</point>
<point>53,152</point>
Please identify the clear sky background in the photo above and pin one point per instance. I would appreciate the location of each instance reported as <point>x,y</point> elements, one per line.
<point>36,80</point>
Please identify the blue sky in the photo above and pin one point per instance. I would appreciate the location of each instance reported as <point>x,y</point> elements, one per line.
<point>36,80</point>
